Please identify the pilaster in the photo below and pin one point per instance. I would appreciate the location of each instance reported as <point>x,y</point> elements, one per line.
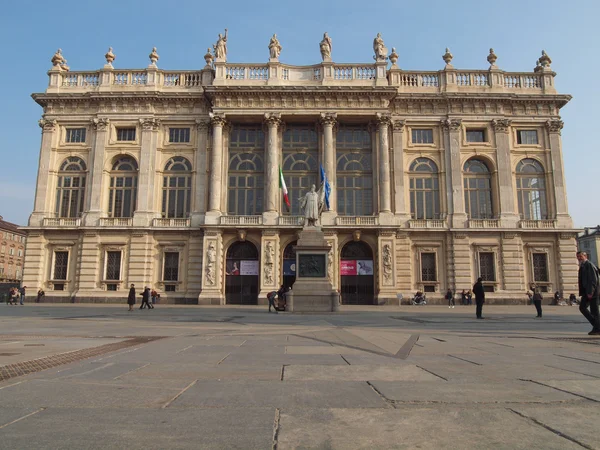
<point>403,266</point>
<point>270,269</point>
<point>567,263</point>
<point>199,200</point>
<point>100,125</point>
<point>509,218</point>
<point>456,203</point>
<point>42,189</point>
<point>558,174</point>
<point>388,288</point>
<point>461,262</point>
<point>140,260</point>
<point>194,265</point>
<point>145,210</point>
<point>513,262</point>
<point>212,292</point>
<point>333,258</point>
<point>34,265</point>
<point>90,271</point>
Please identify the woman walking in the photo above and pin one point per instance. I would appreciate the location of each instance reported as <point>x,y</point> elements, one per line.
<point>537,301</point>
<point>450,298</point>
<point>131,297</point>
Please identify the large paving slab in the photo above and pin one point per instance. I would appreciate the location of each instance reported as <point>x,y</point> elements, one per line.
<point>405,372</point>
<point>585,388</point>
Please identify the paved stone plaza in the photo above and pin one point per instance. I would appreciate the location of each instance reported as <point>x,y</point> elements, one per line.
<point>430,377</point>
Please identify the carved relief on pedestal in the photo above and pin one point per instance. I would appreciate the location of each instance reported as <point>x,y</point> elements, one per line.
<point>269,257</point>
<point>330,264</point>
<point>211,263</point>
<point>387,264</point>
<point>100,123</point>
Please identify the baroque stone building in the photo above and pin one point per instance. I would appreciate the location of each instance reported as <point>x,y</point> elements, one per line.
<point>171,179</point>
<point>12,248</point>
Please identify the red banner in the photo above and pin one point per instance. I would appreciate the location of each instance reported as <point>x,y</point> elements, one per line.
<point>348,267</point>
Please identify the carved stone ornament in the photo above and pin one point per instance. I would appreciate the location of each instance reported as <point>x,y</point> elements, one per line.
<point>273,119</point>
<point>47,125</point>
<point>398,125</point>
<point>221,47</point>
<point>217,119</point>
<point>554,126</point>
<point>153,57</point>
<point>356,235</point>
<point>492,58</point>
<point>100,123</point>
<point>545,60</point>
<point>58,61</point>
<point>211,264</point>
<point>268,266</point>
<point>379,48</point>
<point>208,57</point>
<point>501,125</point>
<point>202,125</point>
<point>447,57</point>
<point>325,47</point>
<point>150,123</point>
<point>538,66</point>
<point>328,119</point>
<point>274,48</point>
<point>110,57</point>
<point>384,119</point>
<point>386,259</point>
<point>394,57</point>
<point>451,124</point>
<point>330,264</point>
<point>242,235</point>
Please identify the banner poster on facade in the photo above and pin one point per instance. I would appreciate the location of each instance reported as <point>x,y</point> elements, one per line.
<point>249,268</point>
<point>364,267</point>
<point>232,267</point>
<point>289,267</point>
<point>348,267</point>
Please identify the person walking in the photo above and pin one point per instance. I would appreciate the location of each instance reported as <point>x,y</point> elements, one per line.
<point>40,294</point>
<point>479,297</point>
<point>537,301</point>
<point>271,299</point>
<point>469,297</point>
<point>146,298</point>
<point>22,295</point>
<point>588,289</point>
<point>463,297</point>
<point>153,294</point>
<point>450,298</point>
<point>131,297</point>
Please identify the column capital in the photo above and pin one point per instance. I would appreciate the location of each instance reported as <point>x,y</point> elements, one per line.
<point>554,125</point>
<point>47,125</point>
<point>202,125</point>
<point>100,123</point>
<point>273,119</point>
<point>451,124</point>
<point>217,119</point>
<point>398,125</point>
<point>150,123</point>
<point>384,119</point>
<point>328,119</point>
<point>501,125</point>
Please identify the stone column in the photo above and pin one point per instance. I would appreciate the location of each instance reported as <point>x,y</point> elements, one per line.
<point>94,194</point>
<point>271,210</point>
<point>200,164</point>
<point>385,196</point>
<point>145,210</point>
<point>454,183</point>
<point>398,154</point>
<point>42,193</point>
<point>329,121</point>
<point>558,185</point>
<point>509,217</point>
<point>216,167</point>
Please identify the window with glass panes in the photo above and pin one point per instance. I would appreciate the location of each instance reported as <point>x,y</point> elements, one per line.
<point>299,163</point>
<point>113,265</point>
<point>75,135</point>
<point>428,267</point>
<point>478,189</point>
<point>179,135</point>
<point>422,136</point>
<point>61,261</point>
<point>531,190</point>
<point>527,137</point>
<point>246,171</point>
<point>540,267</point>
<point>125,134</point>
<point>354,171</point>
<point>122,192</point>
<point>171,270</point>
<point>476,135</point>
<point>177,188</point>
<point>487,269</point>
<point>424,189</point>
<point>70,188</point>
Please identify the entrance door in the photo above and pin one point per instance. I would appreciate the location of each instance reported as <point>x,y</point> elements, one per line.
<point>356,269</point>
<point>241,274</point>
<point>289,265</point>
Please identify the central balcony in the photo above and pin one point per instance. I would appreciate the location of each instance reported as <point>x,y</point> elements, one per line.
<point>116,221</point>
<point>484,223</point>
<point>241,220</point>
<point>171,223</point>
<point>427,223</point>
<point>357,221</point>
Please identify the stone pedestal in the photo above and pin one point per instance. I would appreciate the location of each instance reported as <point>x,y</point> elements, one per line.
<point>313,291</point>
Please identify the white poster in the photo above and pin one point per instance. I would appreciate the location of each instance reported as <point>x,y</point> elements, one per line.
<point>365,267</point>
<point>249,268</point>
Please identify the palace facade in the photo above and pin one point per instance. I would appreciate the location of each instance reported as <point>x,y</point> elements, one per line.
<point>170,179</point>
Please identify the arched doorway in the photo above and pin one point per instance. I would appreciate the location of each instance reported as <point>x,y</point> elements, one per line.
<point>289,265</point>
<point>356,270</point>
<point>241,274</point>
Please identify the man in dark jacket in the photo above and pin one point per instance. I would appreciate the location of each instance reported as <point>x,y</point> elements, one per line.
<point>588,289</point>
<point>146,299</point>
<point>479,296</point>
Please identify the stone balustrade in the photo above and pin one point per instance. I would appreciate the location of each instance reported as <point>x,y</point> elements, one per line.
<point>484,223</point>
<point>61,222</point>
<point>116,221</point>
<point>538,224</point>
<point>357,220</point>
<point>171,223</point>
<point>241,220</point>
<point>295,221</point>
<point>427,223</point>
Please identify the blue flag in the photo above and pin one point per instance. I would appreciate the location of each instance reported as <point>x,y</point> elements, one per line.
<point>325,186</point>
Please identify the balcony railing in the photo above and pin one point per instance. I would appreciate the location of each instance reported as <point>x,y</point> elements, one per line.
<point>116,221</point>
<point>483,223</point>
<point>426,223</point>
<point>61,222</point>
<point>538,224</point>
<point>296,221</point>
<point>241,220</point>
<point>171,223</point>
<point>357,220</point>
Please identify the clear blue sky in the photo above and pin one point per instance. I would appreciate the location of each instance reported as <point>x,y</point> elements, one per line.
<point>31,31</point>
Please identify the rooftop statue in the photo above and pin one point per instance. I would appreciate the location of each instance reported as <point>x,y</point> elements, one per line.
<point>379,48</point>
<point>325,47</point>
<point>221,46</point>
<point>274,47</point>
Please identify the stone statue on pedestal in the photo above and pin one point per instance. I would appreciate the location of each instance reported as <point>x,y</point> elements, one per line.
<point>379,48</point>
<point>325,47</point>
<point>221,46</point>
<point>274,47</point>
<point>312,206</point>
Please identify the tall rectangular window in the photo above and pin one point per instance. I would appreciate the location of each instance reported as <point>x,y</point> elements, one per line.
<point>125,134</point>
<point>300,163</point>
<point>179,135</point>
<point>246,171</point>
<point>61,261</point>
<point>428,267</point>
<point>113,265</point>
<point>422,136</point>
<point>540,267</point>
<point>527,137</point>
<point>476,135</point>
<point>171,270</point>
<point>487,269</point>
<point>75,135</point>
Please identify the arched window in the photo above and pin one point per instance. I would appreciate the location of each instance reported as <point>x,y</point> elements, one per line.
<point>246,171</point>
<point>478,189</point>
<point>424,189</point>
<point>299,163</point>
<point>531,190</point>
<point>177,188</point>
<point>70,190</point>
<point>354,171</point>
<point>122,195</point>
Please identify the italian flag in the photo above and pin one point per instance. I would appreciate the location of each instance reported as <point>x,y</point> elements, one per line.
<point>284,189</point>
